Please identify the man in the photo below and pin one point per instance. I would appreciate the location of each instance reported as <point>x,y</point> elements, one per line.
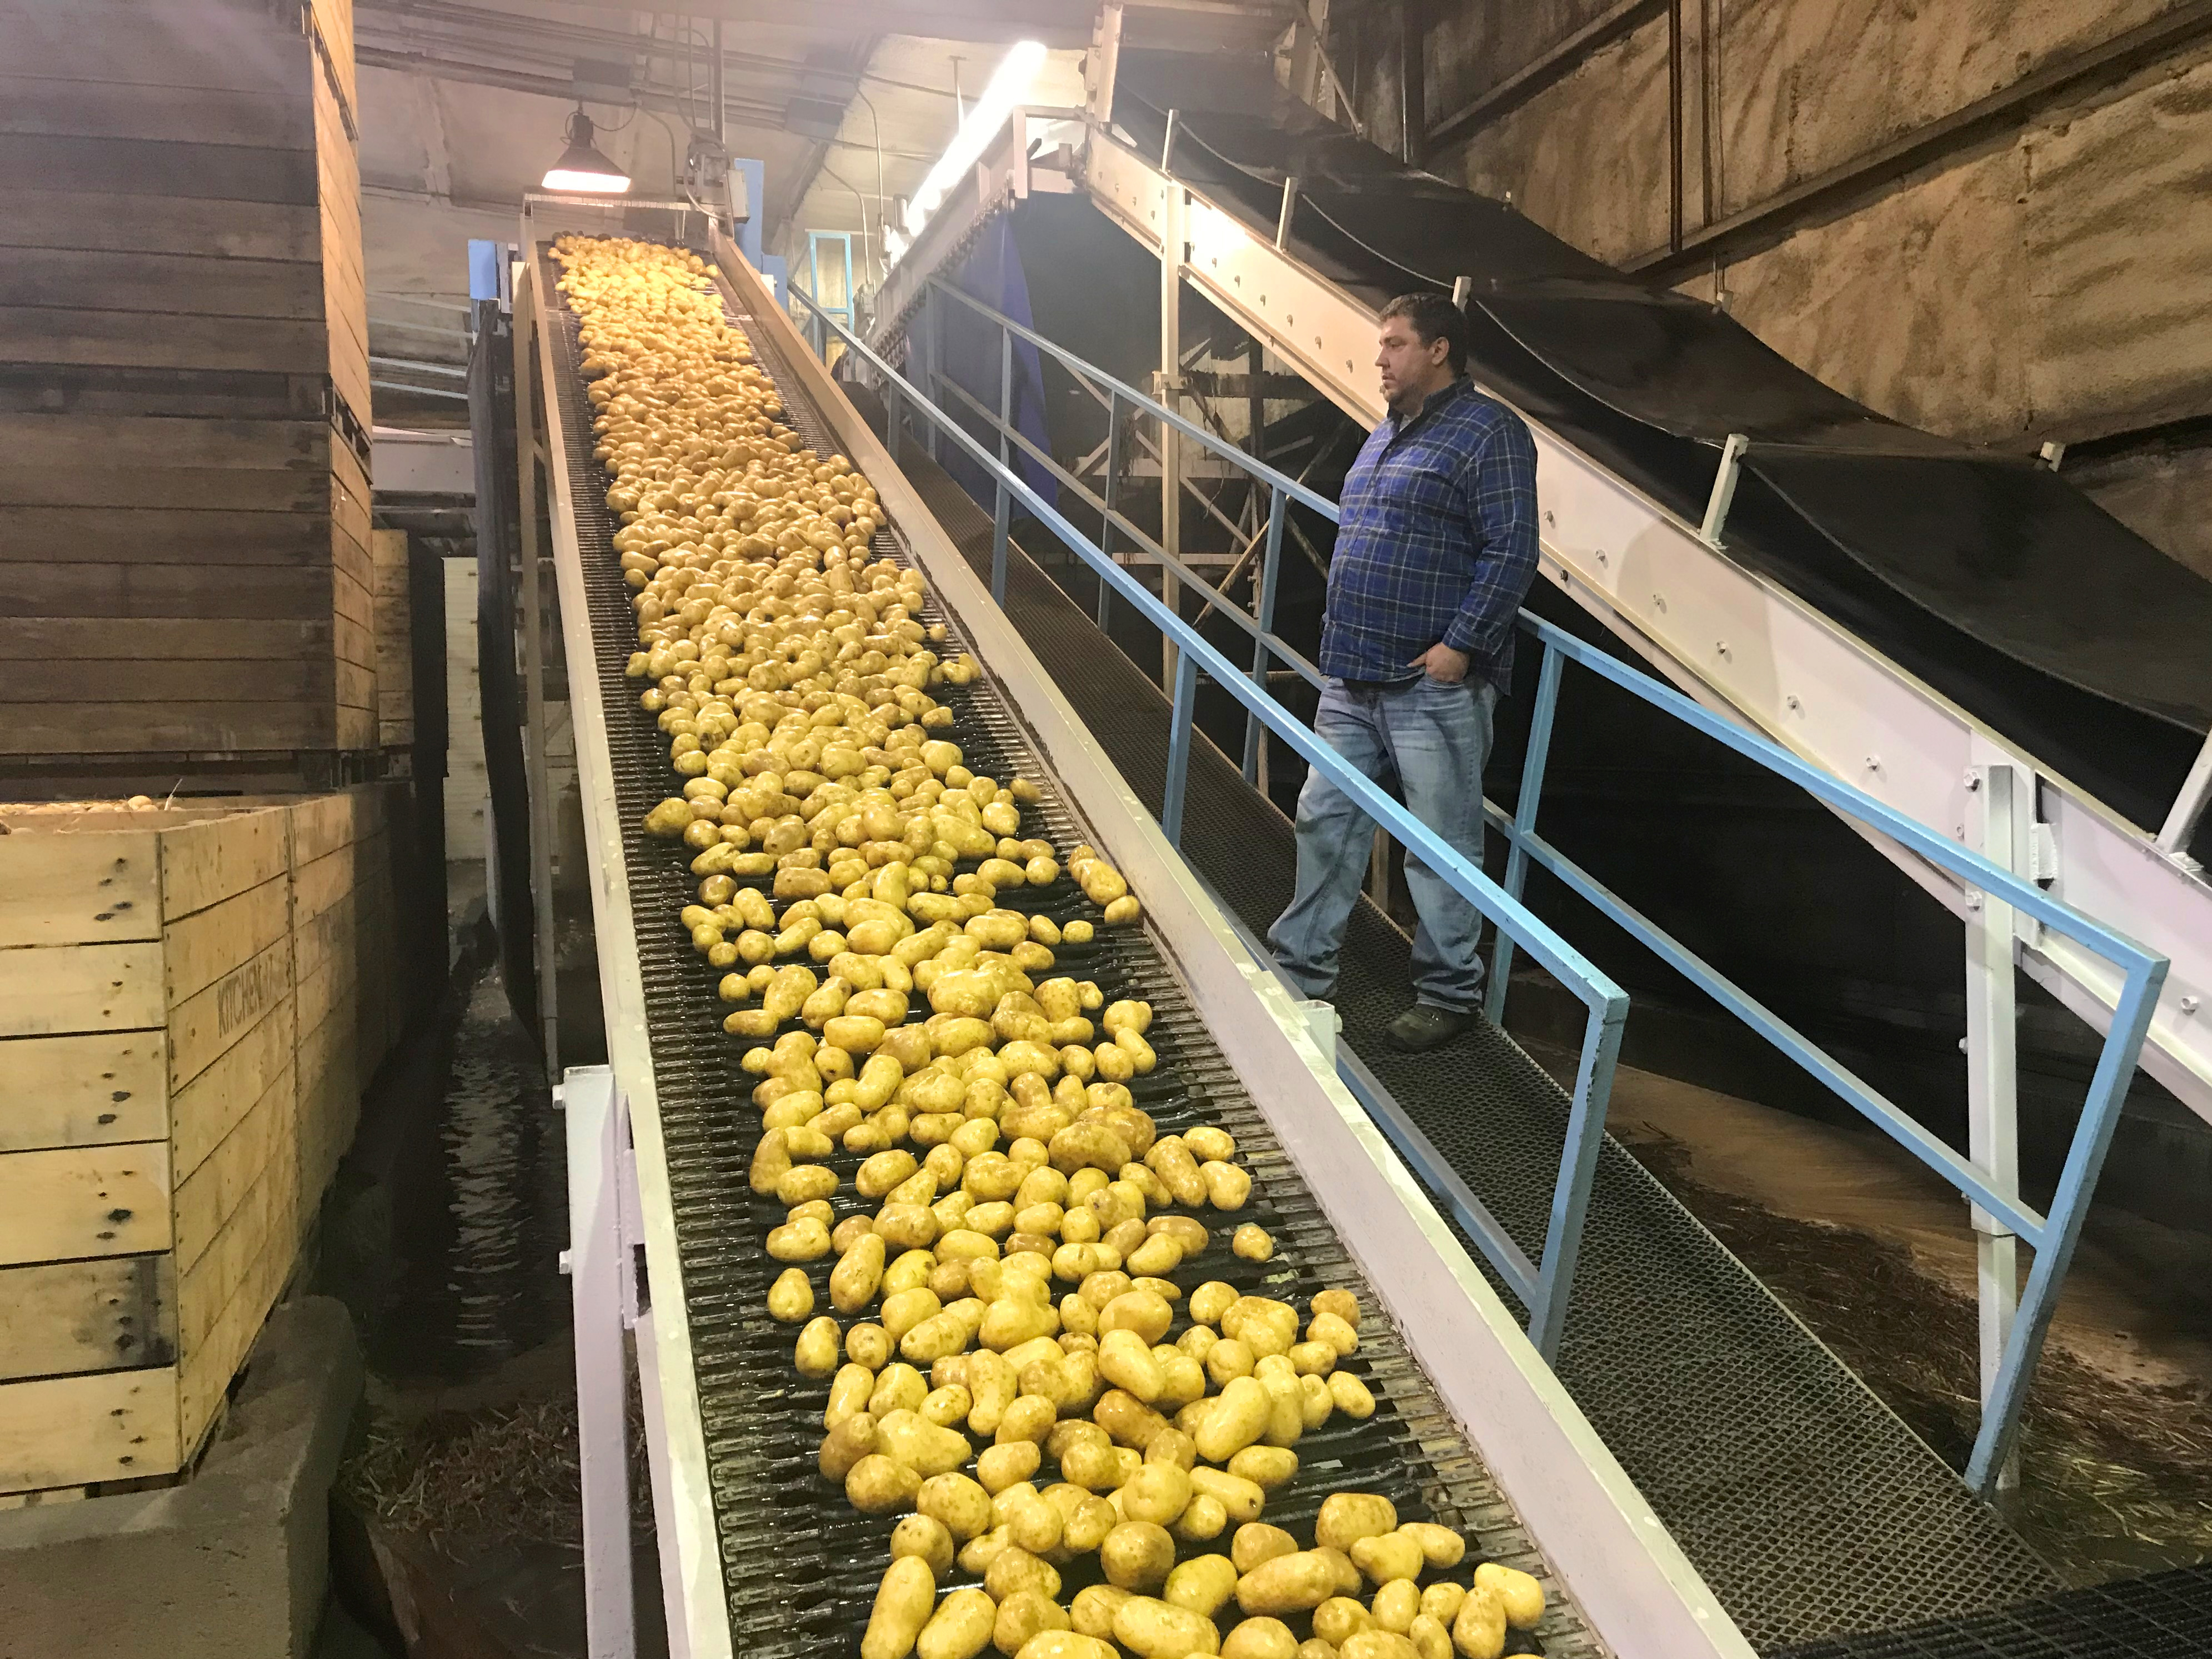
<point>1435,551</point>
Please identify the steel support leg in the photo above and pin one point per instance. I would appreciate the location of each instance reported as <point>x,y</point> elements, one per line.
<point>602,1293</point>
<point>1113,488</point>
<point>2000,813</point>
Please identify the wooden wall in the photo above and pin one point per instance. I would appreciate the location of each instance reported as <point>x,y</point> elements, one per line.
<point>184,558</point>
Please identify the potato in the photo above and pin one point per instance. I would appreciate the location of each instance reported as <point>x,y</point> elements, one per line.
<point>920,1535</point>
<point>1203,1584</point>
<point>1396,1605</point>
<point>1339,1619</point>
<point>1005,1465</point>
<point>1351,1394</point>
<point>1145,1312</point>
<point>1236,1418</point>
<point>1203,1520</point>
<point>1036,1527</point>
<point>1252,1242</point>
<point>1287,1583</point>
<point>878,1485</point>
<point>1328,1328</point>
<point>1136,1556</point>
<point>1172,1445</point>
<point>1157,1629</point>
<point>815,1354</point>
<point>1348,1516</point>
<point>1261,1638</point>
<point>1518,1594</point>
<point>849,1392</point>
<point>1320,1404</point>
<point>1255,1543</point>
<point>1265,1467</point>
<point>868,1345</point>
<point>1157,1493</point>
<point>1227,1186</point>
<point>1441,1602</point>
<point>1211,1300</point>
<point>957,1503</point>
<point>851,1440</point>
<point>1432,1638</point>
<point>1314,1648</point>
<point>800,1241</point>
<point>1023,1615</point>
<point>1094,1607</point>
<point>1209,1144</point>
<point>1127,1419</point>
<point>904,1601</point>
<point>1391,1556</point>
<point>1440,1546</point>
<point>898,1386</point>
<point>1374,1644</point>
<point>1028,1417</point>
<point>1242,1498</point>
<point>791,1298</point>
<point>1067,1644</point>
<point>1015,1569</point>
<point>1088,1524</point>
<point>1125,1359</point>
<point>1478,1630</point>
<point>919,1443</point>
<point>960,1628</point>
<point>932,1338</point>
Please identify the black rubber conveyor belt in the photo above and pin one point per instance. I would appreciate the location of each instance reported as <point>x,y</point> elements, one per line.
<point>1810,1508</point>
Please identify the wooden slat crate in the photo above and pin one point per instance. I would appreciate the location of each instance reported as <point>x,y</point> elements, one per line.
<point>184,382</point>
<point>395,640</point>
<point>148,1203</point>
<point>192,1000</point>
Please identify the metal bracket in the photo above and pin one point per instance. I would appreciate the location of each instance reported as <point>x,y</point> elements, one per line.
<point>1723,496</point>
<point>1462,292</point>
<point>1289,208</point>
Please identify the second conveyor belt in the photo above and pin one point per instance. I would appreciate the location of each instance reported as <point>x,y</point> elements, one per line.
<point>1814,1513</point>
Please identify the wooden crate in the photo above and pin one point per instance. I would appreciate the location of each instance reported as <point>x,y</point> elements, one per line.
<point>191,1002</point>
<point>148,1197</point>
<point>395,638</point>
<point>184,382</point>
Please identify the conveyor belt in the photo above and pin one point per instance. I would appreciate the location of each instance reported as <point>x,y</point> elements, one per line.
<point>1808,1507</point>
<point>800,1566</point>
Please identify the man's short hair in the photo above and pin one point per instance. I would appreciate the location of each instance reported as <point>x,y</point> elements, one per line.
<point>1433,318</point>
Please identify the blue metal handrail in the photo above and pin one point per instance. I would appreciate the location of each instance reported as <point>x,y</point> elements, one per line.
<point>1544,1294</point>
<point>2054,1235</point>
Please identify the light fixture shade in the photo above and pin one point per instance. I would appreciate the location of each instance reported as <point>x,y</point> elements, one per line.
<point>581,168</point>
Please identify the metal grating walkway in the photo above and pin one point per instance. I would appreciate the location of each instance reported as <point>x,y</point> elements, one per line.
<point>1810,1508</point>
<point>789,1544</point>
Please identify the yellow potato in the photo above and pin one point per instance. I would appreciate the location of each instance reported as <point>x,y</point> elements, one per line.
<point>1255,1542</point>
<point>1392,1555</point>
<point>1014,1569</point>
<point>921,1444</point>
<point>1265,1467</point>
<point>1478,1630</point>
<point>1007,1465</point>
<point>815,1354</point>
<point>845,1445</point>
<point>1441,1602</point>
<point>849,1391</point>
<point>1339,1618</point>
<point>878,1485</point>
<point>1137,1555</point>
<point>1373,1643</point>
<point>1351,1394</point>
<point>904,1601</point>
<point>920,1535</point>
<point>1203,1584</point>
<point>1242,1499</point>
<point>1431,1637</point>
<point>1067,1644</point>
<point>1518,1594</point>
<point>898,1386</point>
<point>868,1345</point>
<point>1157,1493</point>
<point>1094,1607</point>
<point>957,1503</point>
<point>1440,1546</point>
<point>1236,1418</point>
<point>1348,1516</point>
<point>1287,1583</point>
<point>1261,1639</point>
<point>1396,1604</point>
<point>960,1628</point>
<point>1156,1630</point>
<point>1253,1243</point>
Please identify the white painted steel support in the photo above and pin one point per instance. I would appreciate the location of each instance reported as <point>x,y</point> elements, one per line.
<point>539,812</point>
<point>1723,496</point>
<point>1170,386</point>
<point>1104,61</point>
<point>2188,811</point>
<point>1789,672</point>
<point>2001,811</point>
<point>602,1291</point>
<point>1638,1591</point>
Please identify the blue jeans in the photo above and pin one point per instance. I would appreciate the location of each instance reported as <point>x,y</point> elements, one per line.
<point>1426,742</point>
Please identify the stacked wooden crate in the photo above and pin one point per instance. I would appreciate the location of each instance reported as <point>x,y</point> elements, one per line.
<point>395,640</point>
<point>183,388</point>
<point>191,1002</point>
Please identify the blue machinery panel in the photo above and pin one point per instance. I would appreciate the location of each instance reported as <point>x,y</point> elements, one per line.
<point>1544,1287</point>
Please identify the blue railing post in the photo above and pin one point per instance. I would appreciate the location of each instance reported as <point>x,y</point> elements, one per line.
<point>1524,825</point>
<point>1264,613</point>
<point>1179,724</point>
<point>1571,1195</point>
<point>1002,514</point>
<point>1113,482</point>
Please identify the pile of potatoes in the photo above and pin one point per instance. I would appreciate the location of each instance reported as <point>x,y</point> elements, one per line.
<point>1000,1285</point>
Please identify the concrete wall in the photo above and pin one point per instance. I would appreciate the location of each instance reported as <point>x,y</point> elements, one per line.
<point>2046,281</point>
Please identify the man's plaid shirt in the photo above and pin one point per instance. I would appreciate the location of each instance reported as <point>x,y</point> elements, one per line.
<point>1438,541</point>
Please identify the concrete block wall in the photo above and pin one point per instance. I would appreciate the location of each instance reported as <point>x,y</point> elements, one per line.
<point>2039,279</point>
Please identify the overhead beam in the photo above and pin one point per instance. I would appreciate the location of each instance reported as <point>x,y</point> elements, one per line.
<point>1064,23</point>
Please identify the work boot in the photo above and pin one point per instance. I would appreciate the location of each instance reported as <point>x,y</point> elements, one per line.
<point>1424,1026</point>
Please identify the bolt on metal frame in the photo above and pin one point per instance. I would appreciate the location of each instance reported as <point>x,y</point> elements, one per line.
<point>1543,1288</point>
<point>1990,1190</point>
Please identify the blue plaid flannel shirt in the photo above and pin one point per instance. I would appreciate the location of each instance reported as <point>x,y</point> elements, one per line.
<point>1436,542</point>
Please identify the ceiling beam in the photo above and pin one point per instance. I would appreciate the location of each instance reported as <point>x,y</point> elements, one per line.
<point>1054,22</point>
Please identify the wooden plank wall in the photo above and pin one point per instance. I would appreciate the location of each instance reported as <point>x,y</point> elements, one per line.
<point>395,640</point>
<point>183,374</point>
